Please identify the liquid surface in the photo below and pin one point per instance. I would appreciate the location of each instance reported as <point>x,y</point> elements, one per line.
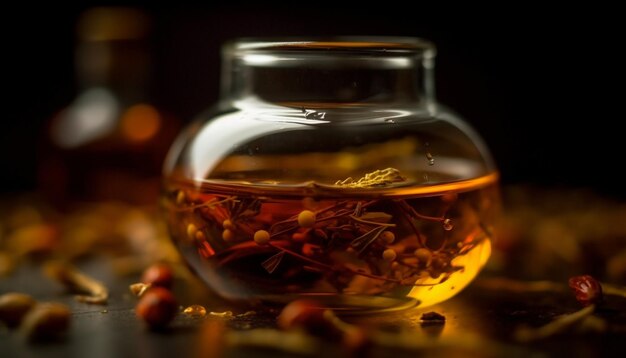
<point>421,244</point>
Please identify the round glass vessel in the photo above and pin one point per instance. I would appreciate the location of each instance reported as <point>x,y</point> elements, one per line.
<point>328,170</point>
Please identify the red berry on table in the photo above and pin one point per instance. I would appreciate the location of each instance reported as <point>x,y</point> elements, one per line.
<point>157,307</point>
<point>303,313</point>
<point>158,275</point>
<point>586,289</point>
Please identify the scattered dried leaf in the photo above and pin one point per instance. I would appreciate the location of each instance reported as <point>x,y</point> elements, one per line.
<point>13,307</point>
<point>138,289</point>
<point>45,321</point>
<point>76,281</point>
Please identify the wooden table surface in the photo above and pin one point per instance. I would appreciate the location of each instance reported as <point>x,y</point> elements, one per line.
<point>480,321</point>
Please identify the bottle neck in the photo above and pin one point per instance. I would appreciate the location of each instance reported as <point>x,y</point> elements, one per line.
<point>121,66</point>
<point>336,73</point>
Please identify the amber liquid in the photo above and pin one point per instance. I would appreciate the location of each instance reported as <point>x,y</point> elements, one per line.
<point>372,248</point>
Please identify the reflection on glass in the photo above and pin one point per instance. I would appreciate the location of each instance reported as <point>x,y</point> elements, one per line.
<point>329,171</point>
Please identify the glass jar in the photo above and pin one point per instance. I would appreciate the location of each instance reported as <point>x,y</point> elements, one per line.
<point>328,170</point>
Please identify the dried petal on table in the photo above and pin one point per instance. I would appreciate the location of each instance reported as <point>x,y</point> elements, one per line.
<point>13,307</point>
<point>138,289</point>
<point>77,281</point>
<point>46,321</point>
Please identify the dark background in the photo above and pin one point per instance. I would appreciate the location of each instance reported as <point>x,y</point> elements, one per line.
<point>541,85</point>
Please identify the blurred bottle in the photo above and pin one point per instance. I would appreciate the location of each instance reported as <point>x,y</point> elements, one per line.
<point>109,143</point>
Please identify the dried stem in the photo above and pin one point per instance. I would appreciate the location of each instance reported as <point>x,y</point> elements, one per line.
<point>418,215</point>
<point>294,218</point>
<point>370,222</point>
<point>408,219</point>
<point>344,269</point>
<point>302,257</point>
<point>526,334</point>
<point>79,282</point>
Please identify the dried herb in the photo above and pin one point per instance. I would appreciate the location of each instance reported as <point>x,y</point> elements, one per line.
<point>138,289</point>
<point>13,306</point>
<point>362,242</point>
<point>374,216</point>
<point>244,208</point>
<point>76,281</point>
<point>45,321</point>
<point>386,240</point>
<point>376,178</point>
<point>272,263</point>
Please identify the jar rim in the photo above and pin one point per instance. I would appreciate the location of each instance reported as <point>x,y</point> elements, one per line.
<point>370,44</point>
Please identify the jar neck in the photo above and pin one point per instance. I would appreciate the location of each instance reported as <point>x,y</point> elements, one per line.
<point>335,73</point>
